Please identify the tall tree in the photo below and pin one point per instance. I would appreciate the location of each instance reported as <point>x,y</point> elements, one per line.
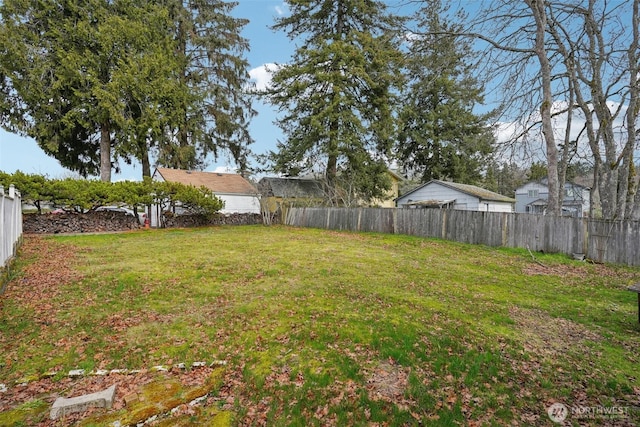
<point>503,178</point>
<point>441,137</point>
<point>337,93</point>
<point>99,81</point>
<point>541,50</point>
<point>213,112</point>
<point>599,44</point>
<point>64,68</point>
<point>570,71</point>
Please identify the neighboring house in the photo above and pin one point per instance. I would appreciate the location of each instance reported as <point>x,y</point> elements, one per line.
<point>278,192</point>
<point>238,194</point>
<point>450,195</point>
<point>392,194</point>
<point>532,198</point>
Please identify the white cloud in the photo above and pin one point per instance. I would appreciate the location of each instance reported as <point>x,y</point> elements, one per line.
<point>522,140</point>
<point>262,75</point>
<point>281,9</point>
<point>224,169</point>
<point>410,37</point>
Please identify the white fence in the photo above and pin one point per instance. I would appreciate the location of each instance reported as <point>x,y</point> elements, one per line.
<point>10,224</point>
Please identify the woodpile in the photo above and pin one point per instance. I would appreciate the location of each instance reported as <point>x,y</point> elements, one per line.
<point>105,221</point>
<point>90,222</point>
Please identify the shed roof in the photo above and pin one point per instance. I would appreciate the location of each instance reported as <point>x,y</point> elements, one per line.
<point>219,183</point>
<point>291,187</point>
<point>472,190</point>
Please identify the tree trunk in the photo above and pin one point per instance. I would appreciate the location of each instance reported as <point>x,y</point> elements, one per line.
<point>105,152</point>
<point>144,159</point>
<point>554,201</point>
<point>334,127</point>
<point>632,209</point>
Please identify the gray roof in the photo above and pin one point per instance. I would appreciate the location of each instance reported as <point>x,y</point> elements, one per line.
<point>472,190</point>
<point>290,187</point>
<point>545,182</point>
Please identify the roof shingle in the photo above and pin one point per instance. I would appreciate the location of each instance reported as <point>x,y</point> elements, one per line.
<point>218,183</point>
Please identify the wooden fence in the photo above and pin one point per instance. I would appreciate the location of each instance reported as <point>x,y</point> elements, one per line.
<point>602,241</point>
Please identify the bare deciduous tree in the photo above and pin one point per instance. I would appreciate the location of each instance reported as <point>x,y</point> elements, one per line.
<point>601,59</point>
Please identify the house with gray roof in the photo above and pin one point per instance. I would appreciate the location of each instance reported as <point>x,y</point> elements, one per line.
<point>532,198</point>
<point>279,192</point>
<point>451,195</point>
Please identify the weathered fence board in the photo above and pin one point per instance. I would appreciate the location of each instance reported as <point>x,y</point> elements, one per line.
<point>614,241</point>
<point>602,241</point>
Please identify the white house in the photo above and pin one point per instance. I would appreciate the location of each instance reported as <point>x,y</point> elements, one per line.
<point>238,194</point>
<point>532,198</point>
<point>442,194</point>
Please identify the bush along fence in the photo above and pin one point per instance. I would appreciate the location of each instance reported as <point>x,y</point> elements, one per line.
<point>615,242</point>
<point>10,229</point>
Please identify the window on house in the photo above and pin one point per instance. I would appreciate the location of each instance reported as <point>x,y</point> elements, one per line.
<point>533,193</point>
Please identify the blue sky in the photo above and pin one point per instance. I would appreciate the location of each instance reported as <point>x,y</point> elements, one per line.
<point>266,47</point>
<point>18,153</point>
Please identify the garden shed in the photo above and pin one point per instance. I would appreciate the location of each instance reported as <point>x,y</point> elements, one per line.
<point>451,195</point>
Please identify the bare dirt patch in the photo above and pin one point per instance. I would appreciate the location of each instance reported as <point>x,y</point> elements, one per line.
<point>546,335</point>
<point>387,382</point>
<point>579,271</point>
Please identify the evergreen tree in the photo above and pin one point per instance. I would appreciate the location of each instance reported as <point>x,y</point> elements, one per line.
<point>337,95</point>
<point>65,67</point>
<point>503,178</point>
<point>213,112</point>
<point>98,81</point>
<point>440,136</point>
<point>537,171</point>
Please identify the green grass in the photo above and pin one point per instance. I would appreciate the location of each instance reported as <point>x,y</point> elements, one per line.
<point>324,327</point>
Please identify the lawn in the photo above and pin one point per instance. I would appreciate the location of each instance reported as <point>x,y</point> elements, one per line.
<point>312,327</point>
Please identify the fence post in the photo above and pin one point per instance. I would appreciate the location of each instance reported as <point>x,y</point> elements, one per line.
<point>4,238</point>
<point>505,220</point>
<point>328,219</point>
<point>395,221</point>
<point>585,236</point>
<point>444,224</point>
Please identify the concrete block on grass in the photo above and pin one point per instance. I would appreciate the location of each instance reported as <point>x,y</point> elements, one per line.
<point>102,399</point>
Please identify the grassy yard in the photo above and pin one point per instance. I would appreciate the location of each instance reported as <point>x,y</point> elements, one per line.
<point>318,328</point>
